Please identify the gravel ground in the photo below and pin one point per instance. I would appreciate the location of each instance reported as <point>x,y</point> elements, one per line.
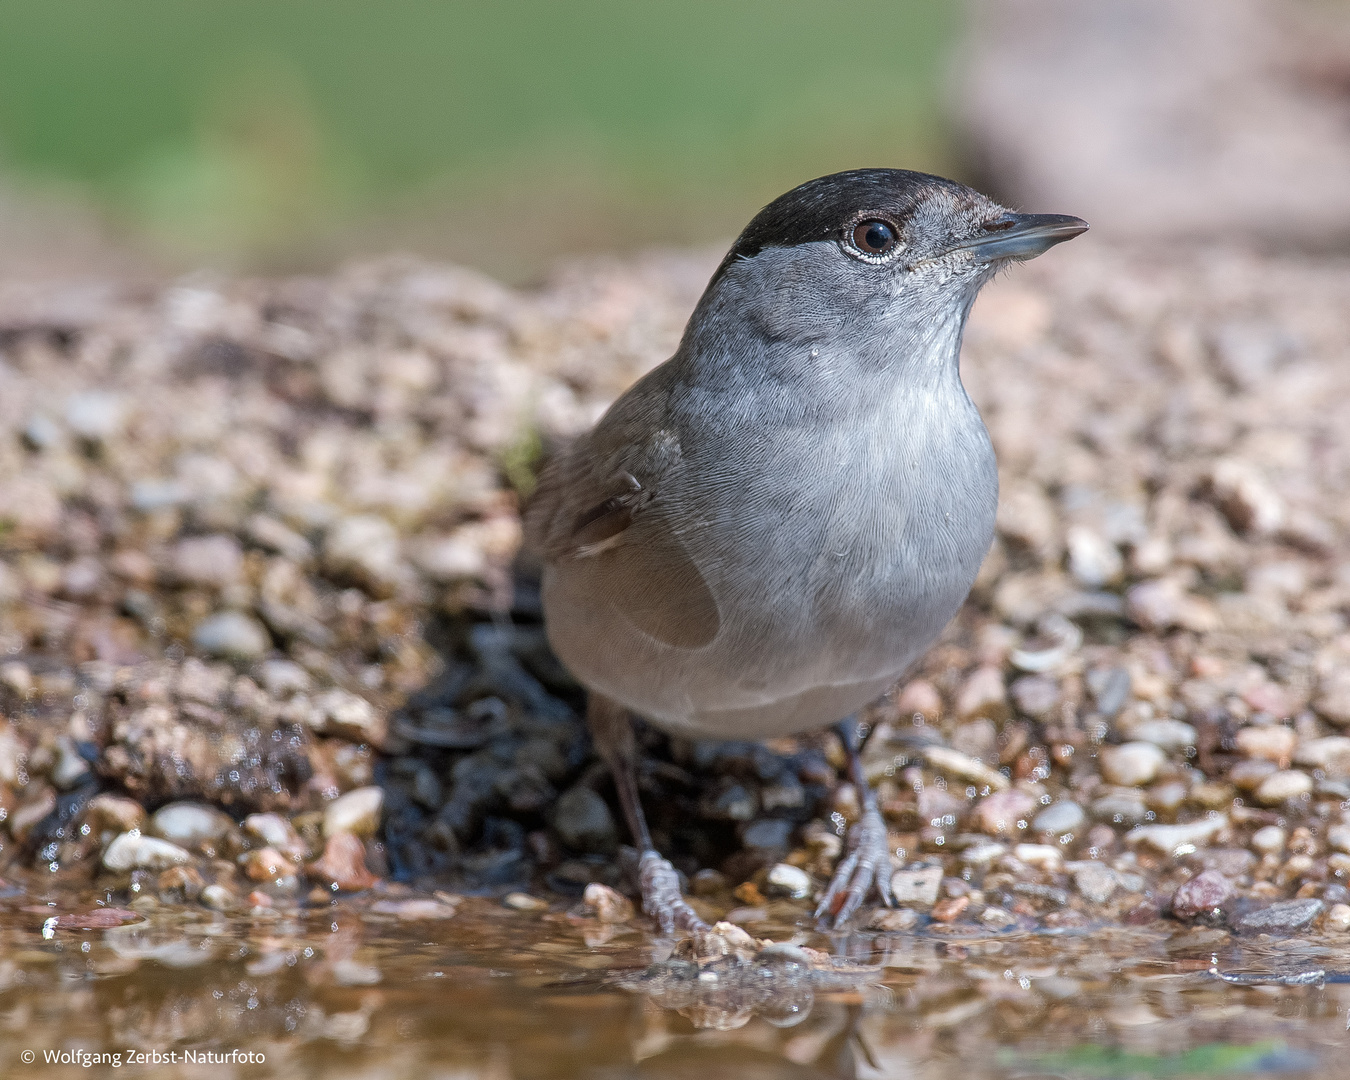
<point>258,581</point>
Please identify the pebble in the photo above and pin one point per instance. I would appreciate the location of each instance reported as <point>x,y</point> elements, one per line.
<point>1330,754</point>
<point>357,813</point>
<point>266,864</point>
<point>1041,856</point>
<point>1338,838</point>
<point>919,886</point>
<point>1338,918</point>
<point>786,880</point>
<point>1035,695</point>
<point>94,415</point>
<point>1271,742</point>
<point>950,909</point>
<point>767,834</point>
<point>584,822</point>
<point>1202,895</point>
<point>1005,813</point>
<point>275,832</point>
<point>218,898</point>
<point>1168,839</point>
<point>233,635</point>
<point>954,763</point>
<point>1093,560</point>
<point>982,694</point>
<point>342,864</point>
<point>919,697</point>
<point>893,920</point>
<point>1286,916</point>
<point>1095,881</point>
<point>1165,733</point>
<point>189,823</point>
<point>1124,806</point>
<point>1282,786</point>
<point>114,813</point>
<point>1065,816</point>
<point>519,901</point>
<point>131,851</point>
<point>1132,764</point>
<point>606,904</point>
<point>1268,840</point>
<point>415,910</point>
<point>210,561</point>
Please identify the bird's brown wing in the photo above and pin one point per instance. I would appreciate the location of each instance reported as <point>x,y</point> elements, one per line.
<point>613,534</point>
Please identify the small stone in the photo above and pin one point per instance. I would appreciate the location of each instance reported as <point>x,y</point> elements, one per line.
<point>188,823</point>
<point>606,904</point>
<point>1338,918</point>
<point>1093,560</point>
<point>1333,698</point>
<point>210,561</point>
<point>785,880</point>
<point>1204,894</point>
<point>266,864</point>
<point>982,694</point>
<point>964,767</point>
<point>415,910</point>
<point>70,769</point>
<point>893,920</point>
<point>1132,764</point>
<point>1166,797</point>
<point>1005,813</point>
<point>919,697</point>
<point>1282,786</point>
<point>1284,917</point>
<point>1122,806</point>
<point>1246,498</point>
<point>357,813</point>
<point>1248,775</point>
<point>997,918</point>
<point>1271,743</point>
<point>282,678</point>
<point>1338,838</point>
<point>218,898</point>
<point>1059,818</point>
<point>919,886</point>
<point>708,882</point>
<point>767,834</point>
<point>233,635</point>
<point>1170,839</point>
<point>95,415</point>
<point>113,813</point>
<point>584,822</point>
<point>276,832</point>
<point>366,549</point>
<point>181,879</point>
<point>1035,695</point>
<point>97,919</point>
<point>349,716</point>
<point>1110,689</point>
<point>1165,733</point>
<point>343,864</point>
<point>1268,840</point>
<point>1330,754</point>
<point>131,851</point>
<point>747,892</point>
<point>519,901</point>
<point>1041,856</point>
<point>950,909</point>
<point>1095,881</point>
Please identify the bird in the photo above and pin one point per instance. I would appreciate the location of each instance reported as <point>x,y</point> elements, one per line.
<point>767,531</point>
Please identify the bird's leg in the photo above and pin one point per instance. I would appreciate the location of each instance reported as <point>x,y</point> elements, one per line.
<point>867,856</point>
<point>612,733</point>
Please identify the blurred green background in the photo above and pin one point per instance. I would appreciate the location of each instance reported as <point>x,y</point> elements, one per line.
<point>283,133</point>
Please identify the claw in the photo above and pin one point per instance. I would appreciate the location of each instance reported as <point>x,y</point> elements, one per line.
<point>866,866</point>
<point>661,897</point>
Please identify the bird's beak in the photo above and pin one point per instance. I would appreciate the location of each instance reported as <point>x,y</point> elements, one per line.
<point>1021,236</point>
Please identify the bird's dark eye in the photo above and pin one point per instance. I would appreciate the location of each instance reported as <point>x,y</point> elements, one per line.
<point>873,237</point>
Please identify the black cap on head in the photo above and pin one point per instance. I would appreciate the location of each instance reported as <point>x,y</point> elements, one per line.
<point>821,209</point>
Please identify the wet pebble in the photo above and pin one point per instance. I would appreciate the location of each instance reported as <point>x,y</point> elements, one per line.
<point>606,904</point>
<point>233,635</point>
<point>1284,917</point>
<point>189,823</point>
<point>1065,816</point>
<point>584,821</point>
<point>790,881</point>
<point>342,864</point>
<point>1338,918</point>
<point>1131,764</point>
<point>357,813</point>
<point>1282,786</point>
<point>1202,895</point>
<point>131,851</point>
<point>918,886</point>
<point>1095,881</point>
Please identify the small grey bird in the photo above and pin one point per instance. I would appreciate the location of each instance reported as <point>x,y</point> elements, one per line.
<point>765,532</point>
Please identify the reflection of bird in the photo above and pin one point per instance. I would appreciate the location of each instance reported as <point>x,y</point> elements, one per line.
<point>686,1062</point>
<point>767,530</point>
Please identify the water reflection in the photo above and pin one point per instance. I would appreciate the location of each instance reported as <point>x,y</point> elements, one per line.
<point>392,990</point>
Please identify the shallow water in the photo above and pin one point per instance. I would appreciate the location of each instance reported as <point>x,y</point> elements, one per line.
<point>344,990</point>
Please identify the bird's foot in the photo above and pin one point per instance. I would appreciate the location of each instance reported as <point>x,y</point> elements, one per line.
<point>866,864</point>
<point>661,897</point>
